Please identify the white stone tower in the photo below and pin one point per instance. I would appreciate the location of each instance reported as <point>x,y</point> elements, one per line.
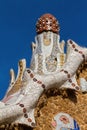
<point>48,53</point>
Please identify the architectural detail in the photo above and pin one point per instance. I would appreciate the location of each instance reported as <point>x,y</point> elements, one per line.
<point>63,121</point>
<point>50,69</point>
<point>51,50</point>
<point>16,84</point>
<point>47,22</point>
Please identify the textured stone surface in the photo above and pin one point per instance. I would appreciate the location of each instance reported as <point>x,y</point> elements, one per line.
<point>54,101</point>
<point>67,101</point>
<point>82,72</point>
<point>47,22</point>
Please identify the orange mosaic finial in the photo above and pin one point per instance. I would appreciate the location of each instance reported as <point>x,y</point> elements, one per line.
<point>47,22</point>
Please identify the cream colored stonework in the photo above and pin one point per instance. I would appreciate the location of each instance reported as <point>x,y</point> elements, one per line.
<point>56,82</point>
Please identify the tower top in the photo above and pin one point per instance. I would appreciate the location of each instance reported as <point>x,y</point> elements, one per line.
<point>47,22</point>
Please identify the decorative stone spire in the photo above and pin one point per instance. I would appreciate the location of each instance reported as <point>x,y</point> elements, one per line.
<point>47,22</point>
<point>51,69</point>
<point>48,52</point>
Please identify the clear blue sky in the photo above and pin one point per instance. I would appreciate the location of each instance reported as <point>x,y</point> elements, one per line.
<point>17,29</point>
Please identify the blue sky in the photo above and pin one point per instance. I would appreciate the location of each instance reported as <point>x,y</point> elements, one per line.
<point>17,29</point>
